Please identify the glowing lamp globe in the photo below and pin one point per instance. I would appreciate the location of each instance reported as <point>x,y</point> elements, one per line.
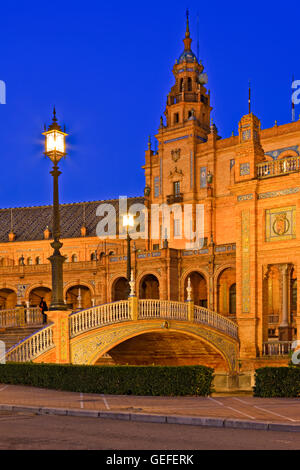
<point>55,146</point>
<point>128,220</point>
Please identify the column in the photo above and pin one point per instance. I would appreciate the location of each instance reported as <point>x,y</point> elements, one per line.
<point>285,331</point>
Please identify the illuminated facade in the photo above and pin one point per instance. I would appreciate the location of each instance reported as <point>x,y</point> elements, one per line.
<point>246,268</point>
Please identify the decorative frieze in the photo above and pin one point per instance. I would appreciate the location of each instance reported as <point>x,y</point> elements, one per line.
<point>245,261</point>
<point>280,192</point>
<point>245,197</point>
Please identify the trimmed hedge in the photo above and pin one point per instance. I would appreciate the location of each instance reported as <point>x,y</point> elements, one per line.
<point>277,382</point>
<point>118,380</point>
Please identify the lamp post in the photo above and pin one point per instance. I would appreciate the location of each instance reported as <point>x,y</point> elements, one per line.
<point>55,150</point>
<point>128,221</point>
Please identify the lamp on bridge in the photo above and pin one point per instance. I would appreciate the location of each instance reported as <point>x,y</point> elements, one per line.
<point>128,221</point>
<point>55,149</point>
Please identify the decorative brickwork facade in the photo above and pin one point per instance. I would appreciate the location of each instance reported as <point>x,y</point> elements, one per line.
<point>246,268</point>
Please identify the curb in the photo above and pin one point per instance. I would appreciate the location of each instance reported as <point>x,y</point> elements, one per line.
<point>157,418</point>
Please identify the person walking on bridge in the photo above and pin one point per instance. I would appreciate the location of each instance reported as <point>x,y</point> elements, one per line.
<point>43,308</point>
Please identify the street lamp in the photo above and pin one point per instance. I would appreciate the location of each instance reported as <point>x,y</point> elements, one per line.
<point>55,150</point>
<point>128,221</point>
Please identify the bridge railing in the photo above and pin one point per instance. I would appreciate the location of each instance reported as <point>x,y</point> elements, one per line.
<point>162,309</point>
<point>116,312</point>
<point>20,317</point>
<point>210,318</point>
<point>32,347</point>
<point>101,315</point>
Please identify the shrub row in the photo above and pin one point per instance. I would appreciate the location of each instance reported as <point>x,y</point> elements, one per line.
<point>277,382</point>
<point>119,380</point>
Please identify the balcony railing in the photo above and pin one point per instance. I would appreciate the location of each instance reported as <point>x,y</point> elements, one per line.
<point>173,198</point>
<point>278,167</point>
<point>277,348</point>
<point>273,319</point>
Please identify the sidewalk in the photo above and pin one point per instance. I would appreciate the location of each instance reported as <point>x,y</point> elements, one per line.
<point>244,412</point>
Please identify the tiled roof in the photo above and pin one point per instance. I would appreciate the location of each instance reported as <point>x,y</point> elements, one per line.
<point>29,223</point>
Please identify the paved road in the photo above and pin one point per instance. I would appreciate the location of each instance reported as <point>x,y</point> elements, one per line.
<point>28,431</point>
<point>284,410</point>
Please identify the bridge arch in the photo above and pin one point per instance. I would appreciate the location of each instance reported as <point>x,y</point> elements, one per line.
<point>213,348</point>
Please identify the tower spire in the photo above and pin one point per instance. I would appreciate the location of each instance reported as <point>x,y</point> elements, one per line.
<point>249,99</point>
<point>187,31</point>
<point>187,40</point>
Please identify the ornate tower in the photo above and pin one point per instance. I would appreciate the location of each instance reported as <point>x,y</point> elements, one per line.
<point>188,99</point>
<point>171,172</point>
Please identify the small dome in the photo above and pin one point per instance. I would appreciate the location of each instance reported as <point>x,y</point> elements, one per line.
<point>187,56</point>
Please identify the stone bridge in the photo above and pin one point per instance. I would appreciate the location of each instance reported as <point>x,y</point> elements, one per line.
<point>135,331</point>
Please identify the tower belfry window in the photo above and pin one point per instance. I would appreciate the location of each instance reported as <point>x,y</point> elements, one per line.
<point>176,118</point>
<point>189,87</point>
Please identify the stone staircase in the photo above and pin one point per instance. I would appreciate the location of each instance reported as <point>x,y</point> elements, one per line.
<point>12,335</point>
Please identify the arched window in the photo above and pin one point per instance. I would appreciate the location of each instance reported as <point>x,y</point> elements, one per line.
<point>232,299</point>
<point>74,258</point>
<point>93,256</point>
<point>29,260</point>
<point>21,261</point>
<point>181,85</point>
<point>176,118</point>
<point>189,84</point>
<point>37,260</point>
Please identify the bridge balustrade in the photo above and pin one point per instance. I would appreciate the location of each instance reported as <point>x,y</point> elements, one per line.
<point>32,346</point>
<point>98,316</point>
<point>210,318</point>
<point>162,309</point>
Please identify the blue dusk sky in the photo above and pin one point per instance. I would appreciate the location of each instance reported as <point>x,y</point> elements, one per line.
<point>107,67</point>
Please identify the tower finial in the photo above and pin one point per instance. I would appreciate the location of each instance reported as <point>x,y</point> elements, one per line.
<point>249,99</point>
<point>54,119</point>
<point>187,40</point>
<point>149,142</point>
<point>187,32</point>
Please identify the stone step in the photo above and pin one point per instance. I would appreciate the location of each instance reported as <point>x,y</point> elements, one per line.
<point>14,335</point>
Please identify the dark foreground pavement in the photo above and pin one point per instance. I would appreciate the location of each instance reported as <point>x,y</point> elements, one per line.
<point>20,431</point>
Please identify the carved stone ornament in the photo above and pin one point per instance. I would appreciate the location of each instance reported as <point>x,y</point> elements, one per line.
<point>176,172</point>
<point>175,154</point>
